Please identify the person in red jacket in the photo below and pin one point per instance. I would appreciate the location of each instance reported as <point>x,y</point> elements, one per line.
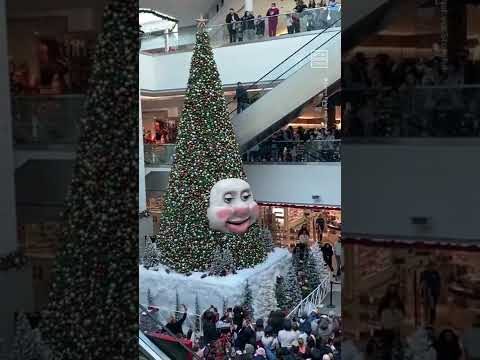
<point>272,14</point>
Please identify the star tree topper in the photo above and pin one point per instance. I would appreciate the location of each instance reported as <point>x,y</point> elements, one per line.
<point>201,23</point>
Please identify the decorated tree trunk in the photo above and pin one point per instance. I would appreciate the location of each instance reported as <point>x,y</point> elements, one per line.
<point>92,311</point>
<point>206,152</point>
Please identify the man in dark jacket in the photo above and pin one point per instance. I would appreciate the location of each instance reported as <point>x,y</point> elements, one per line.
<point>242,97</point>
<point>327,252</point>
<point>430,285</point>
<point>175,326</point>
<point>232,21</point>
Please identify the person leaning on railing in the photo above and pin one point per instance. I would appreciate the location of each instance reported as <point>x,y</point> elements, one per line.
<point>248,21</point>
<point>232,21</point>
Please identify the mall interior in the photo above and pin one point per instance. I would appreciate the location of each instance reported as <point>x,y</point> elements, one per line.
<point>289,128</point>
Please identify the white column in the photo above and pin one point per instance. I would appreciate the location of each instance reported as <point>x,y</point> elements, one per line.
<point>248,5</point>
<point>7,168</point>
<point>142,196</point>
<point>18,284</point>
<point>145,225</point>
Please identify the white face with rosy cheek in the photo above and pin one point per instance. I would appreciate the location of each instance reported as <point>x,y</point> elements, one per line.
<point>232,208</point>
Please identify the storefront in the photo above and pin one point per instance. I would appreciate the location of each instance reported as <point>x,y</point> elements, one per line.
<point>437,285</point>
<point>285,220</point>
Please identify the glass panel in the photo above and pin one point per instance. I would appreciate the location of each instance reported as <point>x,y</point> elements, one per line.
<point>295,151</point>
<point>246,30</point>
<point>46,120</point>
<point>440,111</point>
<point>268,151</point>
<point>159,155</point>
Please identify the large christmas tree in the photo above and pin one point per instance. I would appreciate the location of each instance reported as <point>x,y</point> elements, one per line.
<point>207,151</point>
<point>92,311</point>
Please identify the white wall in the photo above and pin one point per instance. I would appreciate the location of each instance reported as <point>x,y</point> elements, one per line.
<point>296,184</point>
<point>384,185</point>
<point>17,284</point>
<point>246,63</point>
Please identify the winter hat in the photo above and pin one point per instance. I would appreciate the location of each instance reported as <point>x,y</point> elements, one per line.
<point>260,352</point>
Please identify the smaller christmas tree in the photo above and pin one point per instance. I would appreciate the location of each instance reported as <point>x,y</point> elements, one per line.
<point>224,305</point>
<point>222,263</point>
<point>177,306</point>
<point>24,346</point>
<point>267,240</point>
<point>317,255</point>
<point>198,313</point>
<point>280,293</point>
<point>312,272</point>
<point>266,302</point>
<point>293,294</point>
<point>149,297</point>
<point>247,299</point>
<point>150,257</point>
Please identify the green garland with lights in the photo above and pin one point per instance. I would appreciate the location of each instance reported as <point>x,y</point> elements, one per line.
<point>206,152</point>
<point>92,310</point>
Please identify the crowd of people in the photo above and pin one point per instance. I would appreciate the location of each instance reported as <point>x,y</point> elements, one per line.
<point>298,145</point>
<point>235,335</point>
<point>248,27</point>
<point>413,97</point>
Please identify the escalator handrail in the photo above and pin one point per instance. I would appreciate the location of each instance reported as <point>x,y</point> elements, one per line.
<point>251,86</point>
<point>171,334</point>
<point>291,67</point>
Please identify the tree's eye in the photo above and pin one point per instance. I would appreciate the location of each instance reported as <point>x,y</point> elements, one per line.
<point>246,195</point>
<point>228,198</point>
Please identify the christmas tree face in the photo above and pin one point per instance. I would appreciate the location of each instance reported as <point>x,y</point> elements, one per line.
<point>206,152</point>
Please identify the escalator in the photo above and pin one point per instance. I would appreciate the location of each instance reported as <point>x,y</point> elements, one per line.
<point>306,78</point>
<point>313,69</point>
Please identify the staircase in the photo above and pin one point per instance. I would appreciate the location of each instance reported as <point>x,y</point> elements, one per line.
<point>314,300</point>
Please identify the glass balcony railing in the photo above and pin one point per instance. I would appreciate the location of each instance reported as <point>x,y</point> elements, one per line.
<point>434,111</point>
<point>159,155</point>
<point>268,152</point>
<point>294,151</point>
<point>46,120</point>
<point>257,29</point>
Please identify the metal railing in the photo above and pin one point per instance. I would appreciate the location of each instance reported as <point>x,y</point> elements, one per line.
<point>256,29</point>
<point>314,300</point>
<point>46,119</point>
<point>416,111</point>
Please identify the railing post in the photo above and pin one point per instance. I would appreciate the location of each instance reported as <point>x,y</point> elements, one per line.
<point>331,306</point>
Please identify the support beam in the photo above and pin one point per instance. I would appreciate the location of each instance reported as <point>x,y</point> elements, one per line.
<point>249,5</point>
<point>18,284</point>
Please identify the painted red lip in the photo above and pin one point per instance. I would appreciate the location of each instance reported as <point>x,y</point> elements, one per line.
<point>238,227</point>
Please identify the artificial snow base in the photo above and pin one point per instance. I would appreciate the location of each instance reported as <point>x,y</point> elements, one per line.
<point>211,290</point>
